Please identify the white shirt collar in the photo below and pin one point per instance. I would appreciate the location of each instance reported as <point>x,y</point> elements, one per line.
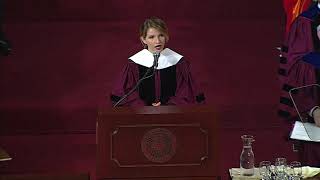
<point>167,58</point>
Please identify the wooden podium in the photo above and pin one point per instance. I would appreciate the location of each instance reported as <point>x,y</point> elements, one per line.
<point>166,142</point>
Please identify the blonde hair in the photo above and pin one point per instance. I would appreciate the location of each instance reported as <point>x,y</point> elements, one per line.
<point>156,23</point>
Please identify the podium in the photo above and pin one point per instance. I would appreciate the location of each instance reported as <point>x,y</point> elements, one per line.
<point>166,142</point>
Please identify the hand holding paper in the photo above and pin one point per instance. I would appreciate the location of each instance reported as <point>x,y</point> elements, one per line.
<point>306,100</point>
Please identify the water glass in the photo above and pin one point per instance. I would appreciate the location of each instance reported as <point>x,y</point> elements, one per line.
<point>264,170</point>
<point>280,168</point>
<point>296,169</point>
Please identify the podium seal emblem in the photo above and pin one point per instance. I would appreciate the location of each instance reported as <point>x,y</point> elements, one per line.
<point>159,145</point>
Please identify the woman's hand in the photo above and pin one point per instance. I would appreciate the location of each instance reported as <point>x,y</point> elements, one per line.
<point>316,116</point>
<point>156,104</point>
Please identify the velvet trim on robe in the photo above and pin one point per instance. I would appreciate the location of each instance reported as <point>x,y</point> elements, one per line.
<point>175,86</point>
<point>313,59</point>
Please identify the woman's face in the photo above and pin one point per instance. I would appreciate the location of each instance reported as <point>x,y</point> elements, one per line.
<point>155,40</point>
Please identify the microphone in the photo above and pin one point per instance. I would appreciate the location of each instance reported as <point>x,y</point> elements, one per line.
<point>156,56</point>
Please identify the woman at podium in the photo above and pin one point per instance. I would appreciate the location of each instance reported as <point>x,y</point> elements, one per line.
<point>156,75</point>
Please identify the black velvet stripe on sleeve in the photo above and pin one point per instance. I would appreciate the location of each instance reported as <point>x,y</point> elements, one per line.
<point>318,75</point>
<point>284,48</point>
<point>284,114</point>
<point>283,60</point>
<point>282,72</point>
<point>286,101</point>
<point>115,98</point>
<point>200,98</point>
<point>287,87</point>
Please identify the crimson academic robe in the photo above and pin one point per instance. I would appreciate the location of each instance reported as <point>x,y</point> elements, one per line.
<point>299,67</point>
<point>172,85</point>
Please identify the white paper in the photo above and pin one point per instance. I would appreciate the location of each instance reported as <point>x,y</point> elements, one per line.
<point>299,132</point>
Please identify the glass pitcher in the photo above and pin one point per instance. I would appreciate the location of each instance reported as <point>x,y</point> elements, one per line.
<point>247,156</point>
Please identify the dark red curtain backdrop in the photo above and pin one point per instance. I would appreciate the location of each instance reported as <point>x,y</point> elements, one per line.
<point>67,53</point>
